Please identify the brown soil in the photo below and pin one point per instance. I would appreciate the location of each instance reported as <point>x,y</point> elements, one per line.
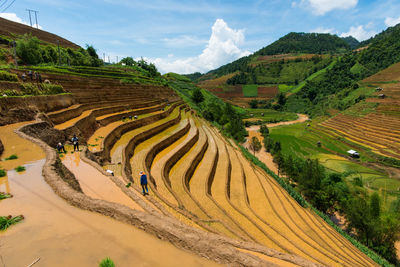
<point>202,243</point>
<point>397,245</point>
<point>63,235</point>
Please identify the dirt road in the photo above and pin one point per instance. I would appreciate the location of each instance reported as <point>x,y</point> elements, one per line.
<point>262,155</point>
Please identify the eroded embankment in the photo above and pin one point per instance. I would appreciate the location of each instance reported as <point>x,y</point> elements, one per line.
<point>208,245</point>
<point>19,109</point>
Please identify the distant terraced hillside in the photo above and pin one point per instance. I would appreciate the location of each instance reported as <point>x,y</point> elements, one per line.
<point>379,127</point>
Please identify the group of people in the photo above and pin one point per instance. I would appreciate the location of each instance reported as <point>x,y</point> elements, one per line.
<point>33,76</point>
<point>75,141</point>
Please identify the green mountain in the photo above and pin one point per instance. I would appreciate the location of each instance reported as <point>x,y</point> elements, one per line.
<point>351,41</point>
<point>321,94</point>
<point>380,36</point>
<point>311,43</point>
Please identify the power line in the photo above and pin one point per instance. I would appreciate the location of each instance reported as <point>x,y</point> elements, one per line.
<point>3,3</point>
<point>8,6</point>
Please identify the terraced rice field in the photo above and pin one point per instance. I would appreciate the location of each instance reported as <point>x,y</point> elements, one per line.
<point>378,130</point>
<point>201,179</point>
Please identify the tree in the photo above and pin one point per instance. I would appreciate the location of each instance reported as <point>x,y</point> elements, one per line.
<point>375,203</point>
<point>253,103</point>
<point>281,99</point>
<point>128,61</point>
<point>197,96</point>
<point>264,130</point>
<point>255,145</point>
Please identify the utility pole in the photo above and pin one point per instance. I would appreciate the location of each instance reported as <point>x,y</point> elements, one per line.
<point>15,54</point>
<point>30,18</point>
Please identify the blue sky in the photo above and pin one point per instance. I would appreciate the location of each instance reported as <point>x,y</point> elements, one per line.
<point>188,36</point>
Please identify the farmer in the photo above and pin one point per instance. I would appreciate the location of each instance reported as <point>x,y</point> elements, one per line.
<point>23,77</point>
<point>75,141</point>
<point>60,147</point>
<point>30,74</point>
<point>143,183</point>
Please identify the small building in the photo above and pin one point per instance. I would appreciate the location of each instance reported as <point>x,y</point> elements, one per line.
<point>381,96</point>
<point>353,153</point>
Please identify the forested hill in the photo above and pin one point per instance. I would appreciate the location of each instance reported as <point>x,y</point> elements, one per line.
<point>317,95</point>
<point>311,43</point>
<point>381,35</point>
<point>308,43</point>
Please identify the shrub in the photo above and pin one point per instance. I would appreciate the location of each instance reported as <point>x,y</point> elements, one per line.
<point>13,156</point>
<point>10,93</point>
<point>51,89</point>
<point>29,89</point>
<point>20,169</point>
<point>107,262</point>
<point>6,76</point>
<point>3,173</point>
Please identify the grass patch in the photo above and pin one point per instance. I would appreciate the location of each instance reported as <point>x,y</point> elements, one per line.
<point>107,262</point>
<point>250,90</point>
<point>13,156</point>
<point>4,195</point>
<point>3,173</point>
<point>284,88</point>
<point>7,221</point>
<point>313,76</point>
<point>20,169</point>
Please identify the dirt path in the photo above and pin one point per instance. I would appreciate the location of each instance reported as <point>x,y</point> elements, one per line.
<point>62,235</point>
<point>302,118</point>
<point>262,155</point>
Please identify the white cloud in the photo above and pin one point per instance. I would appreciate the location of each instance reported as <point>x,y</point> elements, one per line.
<point>324,30</point>
<point>183,41</point>
<point>222,47</point>
<point>320,7</point>
<point>392,21</point>
<point>15,18</point>
<point>359,32</point>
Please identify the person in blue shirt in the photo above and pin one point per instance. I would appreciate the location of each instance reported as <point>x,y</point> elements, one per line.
<point>143,183</point>
<point>75,141</point>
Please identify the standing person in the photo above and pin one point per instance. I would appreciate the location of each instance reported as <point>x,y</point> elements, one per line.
<point>39,77</point>
<point>143,183</point>
<point>75,141</point>
<point>30,74</point>
<point>23,77</point>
